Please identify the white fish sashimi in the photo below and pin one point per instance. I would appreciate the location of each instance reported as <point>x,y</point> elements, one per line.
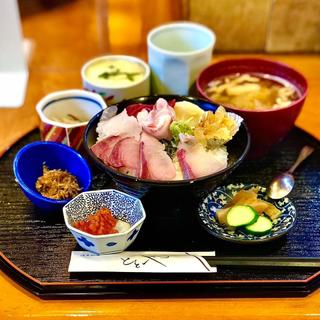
<point>201,162</point>
<point>119,125</point>
<point>159,164</point>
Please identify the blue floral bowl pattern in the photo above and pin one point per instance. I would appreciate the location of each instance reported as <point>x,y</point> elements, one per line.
<point>218,198</point>
<point>123,207</point>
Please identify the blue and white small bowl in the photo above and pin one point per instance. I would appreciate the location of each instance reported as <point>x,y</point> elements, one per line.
<point>219,198</point>
<point>123,207</point>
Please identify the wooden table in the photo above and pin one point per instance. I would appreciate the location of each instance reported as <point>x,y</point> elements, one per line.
<point>64,38</point>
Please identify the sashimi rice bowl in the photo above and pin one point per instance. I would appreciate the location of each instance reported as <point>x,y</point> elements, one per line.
<point>166,141</point>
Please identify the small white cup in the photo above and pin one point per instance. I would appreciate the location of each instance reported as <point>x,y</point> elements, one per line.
<point>59,105</point>
<point>177,52</point>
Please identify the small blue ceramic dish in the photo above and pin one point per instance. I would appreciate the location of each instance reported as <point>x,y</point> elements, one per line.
<point>218,198</point>
<point>124,207</point>
<point>28,167</point>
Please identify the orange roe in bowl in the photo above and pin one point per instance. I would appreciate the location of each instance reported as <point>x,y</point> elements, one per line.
<point>100,223</point>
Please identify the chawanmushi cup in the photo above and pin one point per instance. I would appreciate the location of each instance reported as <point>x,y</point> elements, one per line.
<point>113,90</point>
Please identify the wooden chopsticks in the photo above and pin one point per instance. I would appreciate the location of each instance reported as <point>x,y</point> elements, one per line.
<point>305,262</point>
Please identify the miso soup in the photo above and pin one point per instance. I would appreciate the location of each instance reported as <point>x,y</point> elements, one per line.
<point>252,91</point>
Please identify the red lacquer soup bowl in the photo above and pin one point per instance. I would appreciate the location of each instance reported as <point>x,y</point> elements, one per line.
<point>266,127</point>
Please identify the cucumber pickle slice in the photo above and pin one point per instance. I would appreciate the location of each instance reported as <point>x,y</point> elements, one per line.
<point>241,215</point>
<point>262,226</point>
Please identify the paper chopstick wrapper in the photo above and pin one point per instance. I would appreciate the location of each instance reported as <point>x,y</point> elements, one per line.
<point>142,261</point>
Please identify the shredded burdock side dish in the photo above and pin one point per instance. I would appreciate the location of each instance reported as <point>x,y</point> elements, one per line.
<point>57,184</point>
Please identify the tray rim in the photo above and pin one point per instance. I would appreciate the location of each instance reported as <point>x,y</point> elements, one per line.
<point>252,288</point>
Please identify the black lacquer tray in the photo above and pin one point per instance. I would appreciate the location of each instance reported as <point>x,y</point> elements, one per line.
<point>35,247</point>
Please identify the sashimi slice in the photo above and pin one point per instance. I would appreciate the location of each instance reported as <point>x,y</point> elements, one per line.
<point>185,168</point>
<point>125,155</point>
<point>134,109</point>
<point>130,152</point>
<point>157,122</point>
<point>202,162</point>
<point>115,158</point>
<point>119,125</point>
<point>103,148</point>
<point>143,166</point>
<point>159,164</point>
<point>172,103</point>
<point>143,117</point>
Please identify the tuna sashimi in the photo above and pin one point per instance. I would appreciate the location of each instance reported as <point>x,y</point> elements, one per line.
<point>159,164</point>
<point>157,122</point>
<point>195,161</point>
<point>119,125</point>
<point>134,109</point>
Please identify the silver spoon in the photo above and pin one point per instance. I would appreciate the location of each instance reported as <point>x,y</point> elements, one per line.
<point>283,183</point>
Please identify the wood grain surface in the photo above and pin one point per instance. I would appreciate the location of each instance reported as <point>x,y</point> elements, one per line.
<point>64,37</point>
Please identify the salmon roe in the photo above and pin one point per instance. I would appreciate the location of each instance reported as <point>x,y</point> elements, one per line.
<point>100,223</point>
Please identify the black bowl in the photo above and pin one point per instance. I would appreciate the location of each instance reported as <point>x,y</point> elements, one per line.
<point>237,149</point>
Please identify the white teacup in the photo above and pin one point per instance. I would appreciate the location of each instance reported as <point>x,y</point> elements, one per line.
<point>177,52</point>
